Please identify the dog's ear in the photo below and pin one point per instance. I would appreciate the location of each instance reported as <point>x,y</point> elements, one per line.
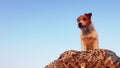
<point>89,15</point>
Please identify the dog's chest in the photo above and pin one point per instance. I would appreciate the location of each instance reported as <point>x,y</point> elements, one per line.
<point>88,40</point>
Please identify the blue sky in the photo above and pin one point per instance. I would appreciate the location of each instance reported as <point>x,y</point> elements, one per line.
<point>35,32</point>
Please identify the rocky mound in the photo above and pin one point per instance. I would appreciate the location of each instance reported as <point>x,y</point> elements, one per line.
<point>98,58</point>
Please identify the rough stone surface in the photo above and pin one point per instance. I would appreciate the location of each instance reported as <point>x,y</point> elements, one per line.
<point>98,58</point>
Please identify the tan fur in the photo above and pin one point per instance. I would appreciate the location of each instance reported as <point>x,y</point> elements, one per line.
<point>89,37</point>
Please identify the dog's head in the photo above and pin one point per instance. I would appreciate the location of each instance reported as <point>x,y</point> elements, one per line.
<point>84,20</point>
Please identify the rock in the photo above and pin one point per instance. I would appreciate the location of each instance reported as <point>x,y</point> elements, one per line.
<point>98,58</point>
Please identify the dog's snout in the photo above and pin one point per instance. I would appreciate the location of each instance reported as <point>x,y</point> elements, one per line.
<point>80,24</point>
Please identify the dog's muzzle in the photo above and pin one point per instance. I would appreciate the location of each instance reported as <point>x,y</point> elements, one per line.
<point>80,25</point>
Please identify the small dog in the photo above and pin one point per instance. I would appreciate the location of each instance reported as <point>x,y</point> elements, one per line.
<point>89,37</point>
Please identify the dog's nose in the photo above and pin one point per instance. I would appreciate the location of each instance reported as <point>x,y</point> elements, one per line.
<point>80,24</point>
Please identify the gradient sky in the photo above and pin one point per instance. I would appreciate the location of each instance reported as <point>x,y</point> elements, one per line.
<point>35,32</point>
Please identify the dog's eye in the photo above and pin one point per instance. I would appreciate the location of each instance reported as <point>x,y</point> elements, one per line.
<point>84,19</point>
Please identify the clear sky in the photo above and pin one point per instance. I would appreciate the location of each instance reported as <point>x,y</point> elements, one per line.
<point>35,32</point>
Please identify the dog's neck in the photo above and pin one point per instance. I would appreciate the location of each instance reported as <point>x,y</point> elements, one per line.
<point>88,29</point>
